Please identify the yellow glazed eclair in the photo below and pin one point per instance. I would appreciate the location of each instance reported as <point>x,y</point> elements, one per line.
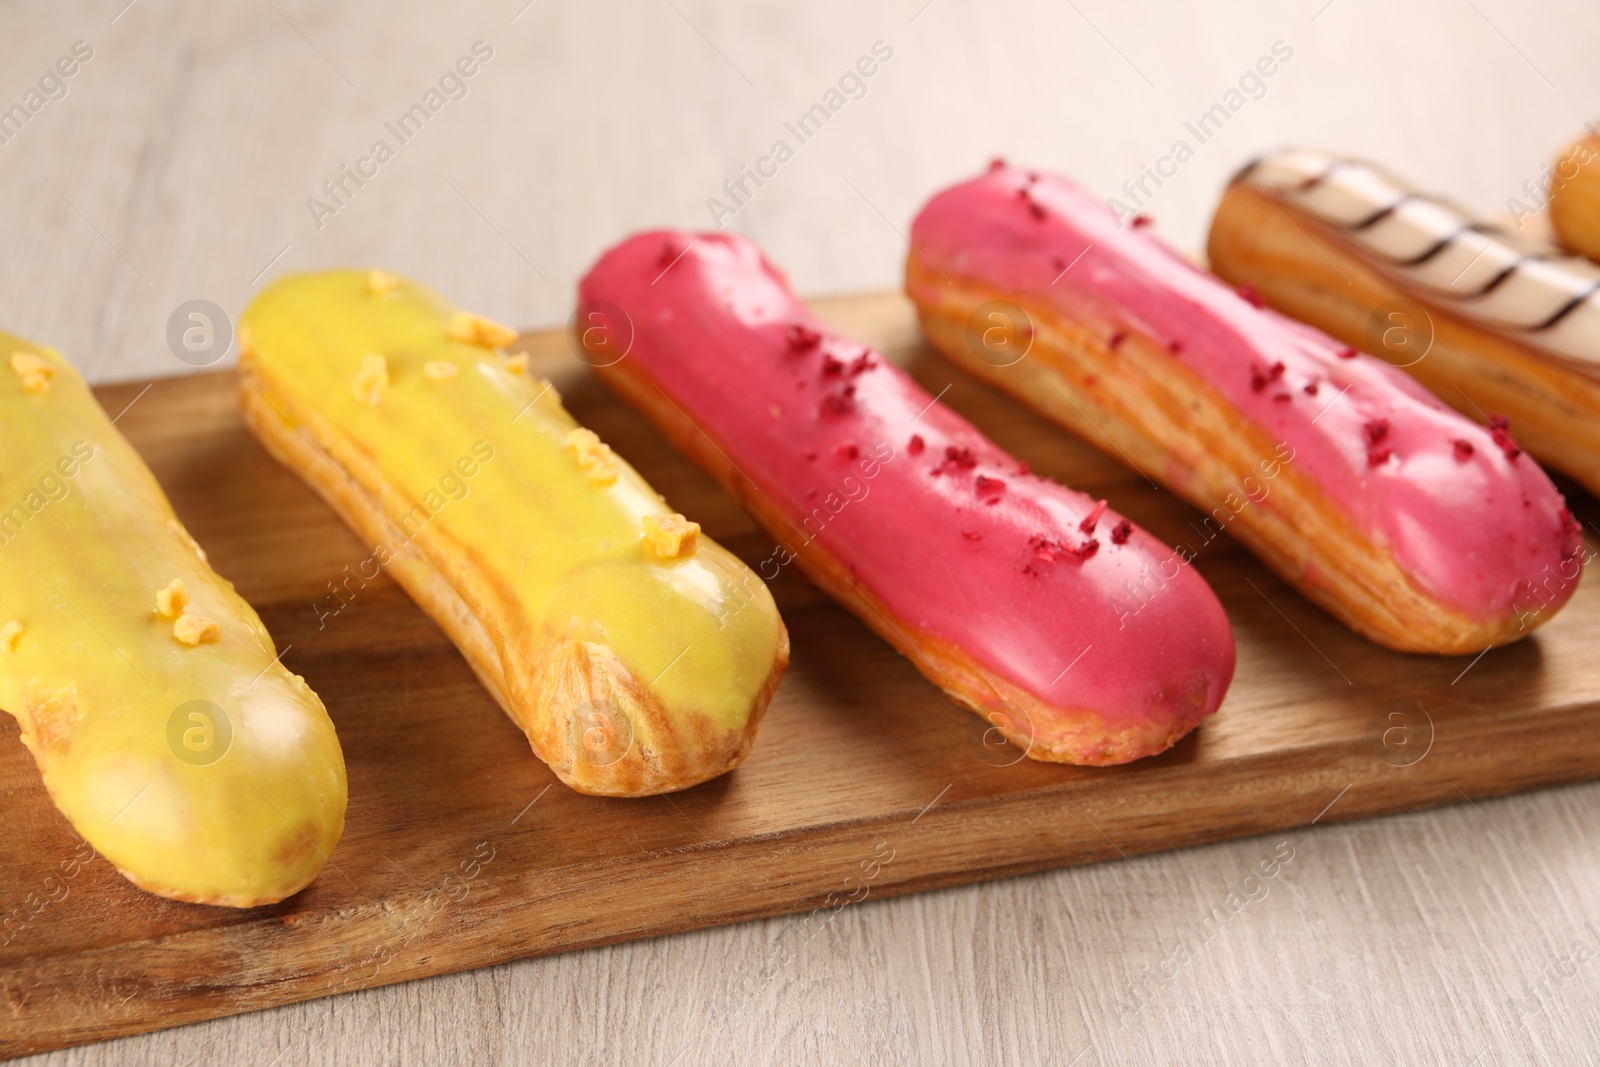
<point>637,655</point>
<point>148,691</point>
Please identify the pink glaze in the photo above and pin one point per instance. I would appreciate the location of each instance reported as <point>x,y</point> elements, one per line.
<point>952,535</point>
<point>1477,525</point>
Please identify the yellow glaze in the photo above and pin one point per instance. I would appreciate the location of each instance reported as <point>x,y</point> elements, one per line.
<point>536,524</point>
<point>237,800</point>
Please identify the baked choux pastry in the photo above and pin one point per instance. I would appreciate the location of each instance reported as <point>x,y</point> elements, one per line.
<point>637,654</point>
<point>1077,635</point>
<point>164,725</point>
<point>1575,196</point>
<point>1415,526</point>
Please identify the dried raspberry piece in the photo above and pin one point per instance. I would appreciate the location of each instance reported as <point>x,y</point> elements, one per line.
<point>988,486</point>
<point>1091,520</point>
<point>961,458</point>
<point>1053,551</point>
<point>837,404</point>
<point>1500,430</point>
<point>801,338</point>
<point>1260,379</point>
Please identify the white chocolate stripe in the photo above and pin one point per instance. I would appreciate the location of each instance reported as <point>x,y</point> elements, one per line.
<point>1527,290</point>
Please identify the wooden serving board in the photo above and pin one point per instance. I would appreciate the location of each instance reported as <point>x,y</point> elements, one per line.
<point>462,850</point>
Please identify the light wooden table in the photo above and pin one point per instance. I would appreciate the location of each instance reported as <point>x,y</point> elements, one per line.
<point>178,166</point>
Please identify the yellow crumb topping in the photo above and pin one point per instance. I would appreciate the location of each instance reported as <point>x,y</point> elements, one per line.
<point>193,629</point>
<point>371,379</point>
<point>381,282</point>
<point>671,535</point>
<point>173,599</point>
<point>8,637</point>
<point>594,456</point>
<point>438,370</point>
<point>34,372</point>
<point>477,330</point>
<point>517,364</point>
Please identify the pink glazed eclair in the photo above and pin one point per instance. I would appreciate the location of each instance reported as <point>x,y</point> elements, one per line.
<point>1005,589</point>
<point>1415,526</point>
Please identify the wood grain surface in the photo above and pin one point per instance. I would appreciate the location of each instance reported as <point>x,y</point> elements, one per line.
<point>461,850</point>
<point>178,166</point>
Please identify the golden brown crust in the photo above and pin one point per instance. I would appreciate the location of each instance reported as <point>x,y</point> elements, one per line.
<point>1149,409</point>
<point>1043,731</point>
<point>1575,200</point>
<point>572,698</point>
<point>1555,411</point>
